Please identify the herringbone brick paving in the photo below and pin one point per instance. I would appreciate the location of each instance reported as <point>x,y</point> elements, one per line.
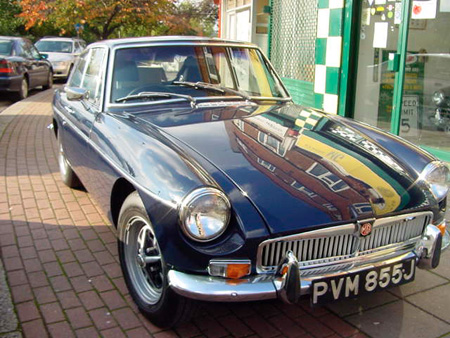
<point>60,256</point>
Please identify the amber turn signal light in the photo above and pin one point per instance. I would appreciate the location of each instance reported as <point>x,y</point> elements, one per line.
<point>229,268</point>
<point>237,270</point>
<point>442,227</point>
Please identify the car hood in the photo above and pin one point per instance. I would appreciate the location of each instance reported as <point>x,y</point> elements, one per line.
<point>301,168</point>
<point>59,56</point>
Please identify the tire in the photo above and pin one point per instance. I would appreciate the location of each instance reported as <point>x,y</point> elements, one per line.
<point>23,91</point>
<point>68,176</point>
<point>49,81</point>
<point>147,281</point>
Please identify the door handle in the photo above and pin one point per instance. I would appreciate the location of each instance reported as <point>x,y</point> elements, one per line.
<point>70,110</point>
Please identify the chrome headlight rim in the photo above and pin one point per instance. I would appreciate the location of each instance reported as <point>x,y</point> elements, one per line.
<point>429,169</point>
<point>194,196</point>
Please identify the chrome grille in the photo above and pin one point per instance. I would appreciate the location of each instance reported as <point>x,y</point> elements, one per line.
<point>386,233</point>
<point>343,242</point>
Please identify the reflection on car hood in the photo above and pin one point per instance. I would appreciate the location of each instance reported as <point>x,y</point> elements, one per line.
<point>301,168</point>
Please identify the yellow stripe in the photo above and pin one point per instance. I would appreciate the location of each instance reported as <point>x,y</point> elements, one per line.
<point>354,168</point>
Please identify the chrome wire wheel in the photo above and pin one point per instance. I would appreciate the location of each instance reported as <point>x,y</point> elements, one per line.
<point>143,260</point>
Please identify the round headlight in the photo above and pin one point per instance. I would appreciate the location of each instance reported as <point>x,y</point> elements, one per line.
<point>204,214</point>
<point>437,175</point>
<point>438,97</point>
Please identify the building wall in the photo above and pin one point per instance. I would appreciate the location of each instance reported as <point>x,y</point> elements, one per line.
<point>305,47</point>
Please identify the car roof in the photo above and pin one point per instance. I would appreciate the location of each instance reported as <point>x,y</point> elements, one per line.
<point>13,38</point>
<point>181,39</point>
<point>56,38</point>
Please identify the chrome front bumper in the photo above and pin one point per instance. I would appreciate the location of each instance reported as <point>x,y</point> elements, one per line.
<point>292,284</point>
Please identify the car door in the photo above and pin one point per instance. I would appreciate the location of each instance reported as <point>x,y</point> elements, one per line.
<point>79,114</point>
<point>26,61</point>
<point>41,66</point>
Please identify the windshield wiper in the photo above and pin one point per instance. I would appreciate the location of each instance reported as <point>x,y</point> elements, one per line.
<point>213,87</point>
<point>150,95</point>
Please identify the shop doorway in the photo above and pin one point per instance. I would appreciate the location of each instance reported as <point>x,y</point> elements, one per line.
<point>403,70</point>
<point>379,29</point>
<point>425,113</point>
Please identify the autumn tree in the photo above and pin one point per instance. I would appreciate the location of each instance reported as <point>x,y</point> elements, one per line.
<point>194,18</point>
<point>102,18</point>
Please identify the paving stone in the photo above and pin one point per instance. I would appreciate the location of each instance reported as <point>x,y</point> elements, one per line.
<point>423,280</point>
<point>44,295</point>
<point>61,329</point>
<point>52,312</point>
<point>68,299</point>
<point>398,320</point>
<point>115,332</point>
<point>356,305</point>
<point>90,300</point>
<point>102,319</point>
<point>34,329</point>
<point>87,332</point>
<point>27,311</point>
<point>113,299</point>
<point>126,318</point>
<point>78,318</point>
<point>435,301</point>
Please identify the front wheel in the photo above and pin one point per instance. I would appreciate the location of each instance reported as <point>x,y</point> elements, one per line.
<point>144,269</point>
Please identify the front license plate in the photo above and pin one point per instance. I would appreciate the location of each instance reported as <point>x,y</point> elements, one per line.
<point>330,289</point>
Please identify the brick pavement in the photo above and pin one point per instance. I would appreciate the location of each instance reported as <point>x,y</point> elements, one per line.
<point>60,257</point>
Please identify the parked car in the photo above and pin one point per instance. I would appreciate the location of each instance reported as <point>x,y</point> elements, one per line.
<point>22,67</point>
<point>223,189</point>
<point>62,53</point>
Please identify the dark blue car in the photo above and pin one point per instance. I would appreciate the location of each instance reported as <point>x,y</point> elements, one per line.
<point>223,189</point>
<point>22,67</point>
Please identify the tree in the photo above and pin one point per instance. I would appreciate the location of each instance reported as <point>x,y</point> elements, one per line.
<point>9,23</point>
<point>194,18</point>
<point>101,18</point>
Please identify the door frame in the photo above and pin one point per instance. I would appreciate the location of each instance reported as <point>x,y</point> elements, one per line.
<point>347,91</point>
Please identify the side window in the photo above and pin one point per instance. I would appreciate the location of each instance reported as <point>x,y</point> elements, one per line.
<point>77,74</point>
<point>77,47</point>
<point>24,50</point>
<point>34,52</point>
<point>93,77</point>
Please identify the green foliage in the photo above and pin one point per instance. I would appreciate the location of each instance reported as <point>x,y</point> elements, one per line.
<point>10,24</point>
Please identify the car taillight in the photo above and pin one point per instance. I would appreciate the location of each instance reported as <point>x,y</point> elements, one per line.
<point>6,67</point>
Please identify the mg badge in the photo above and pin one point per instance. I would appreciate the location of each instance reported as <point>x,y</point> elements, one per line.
<point>366,229</point>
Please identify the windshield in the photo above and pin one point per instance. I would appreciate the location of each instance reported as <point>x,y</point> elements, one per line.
<point>47,46</point>
<point>5,47</point>
<point>176,69</point>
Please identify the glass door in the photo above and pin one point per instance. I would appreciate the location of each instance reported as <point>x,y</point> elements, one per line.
<point>425,113</point>
<point>378,58</point>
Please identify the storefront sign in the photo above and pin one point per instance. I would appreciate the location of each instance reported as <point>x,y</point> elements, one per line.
<point>409,123</point>
<point>413,86</point>
<point>422,9</point>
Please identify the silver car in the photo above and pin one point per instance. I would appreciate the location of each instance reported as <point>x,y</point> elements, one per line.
<point>62,53</point>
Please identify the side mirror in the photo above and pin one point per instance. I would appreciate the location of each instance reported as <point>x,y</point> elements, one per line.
<point>76,93</point>
<point>44,56</point>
